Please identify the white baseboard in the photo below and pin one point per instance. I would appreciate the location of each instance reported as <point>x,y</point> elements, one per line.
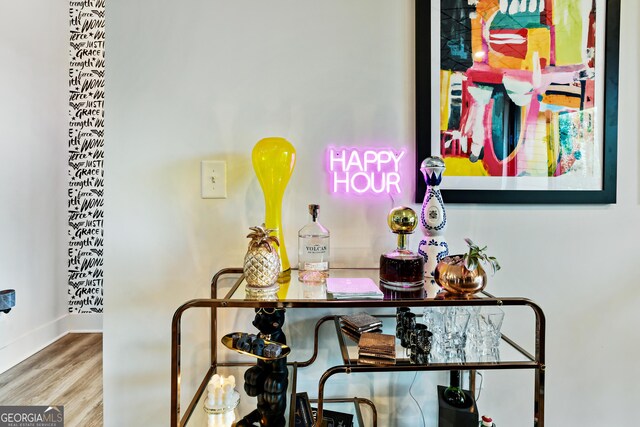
<point>35,340</point>
<point>83,322</point>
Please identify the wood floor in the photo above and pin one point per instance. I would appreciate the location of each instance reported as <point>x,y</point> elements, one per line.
<point>68,372</point>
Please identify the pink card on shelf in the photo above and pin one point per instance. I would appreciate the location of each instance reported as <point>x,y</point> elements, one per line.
<point>353,287</point>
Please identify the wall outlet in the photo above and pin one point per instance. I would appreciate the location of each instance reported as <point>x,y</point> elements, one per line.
<point>213,182</point>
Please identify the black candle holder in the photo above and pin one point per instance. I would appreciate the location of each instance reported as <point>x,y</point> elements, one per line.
<point>420,344</point>
<point>409,324</point>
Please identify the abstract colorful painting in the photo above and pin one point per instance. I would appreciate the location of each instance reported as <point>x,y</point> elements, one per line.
<point>520,88</point>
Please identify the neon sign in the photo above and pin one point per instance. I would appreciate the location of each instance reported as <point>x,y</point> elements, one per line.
<point>364,170</point>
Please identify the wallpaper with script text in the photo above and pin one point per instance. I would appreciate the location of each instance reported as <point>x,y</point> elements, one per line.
<point>86,155</point>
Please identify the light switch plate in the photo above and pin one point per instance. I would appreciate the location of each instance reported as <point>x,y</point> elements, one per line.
<point>213,182</point>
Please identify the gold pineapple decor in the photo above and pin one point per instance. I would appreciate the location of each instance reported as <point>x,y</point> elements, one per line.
<point>261,263</point>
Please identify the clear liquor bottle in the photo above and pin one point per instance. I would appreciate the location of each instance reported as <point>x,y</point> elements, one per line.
<point>313,249</point>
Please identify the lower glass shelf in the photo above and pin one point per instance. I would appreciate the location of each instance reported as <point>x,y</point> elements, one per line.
<point>505,354</point>
<point>254,406</point>
<point>277,406</point>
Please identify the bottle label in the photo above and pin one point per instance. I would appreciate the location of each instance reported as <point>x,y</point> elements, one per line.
<point>316,249</point>
<point>316,266</point>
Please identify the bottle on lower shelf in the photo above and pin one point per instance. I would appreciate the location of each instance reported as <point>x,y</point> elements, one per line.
<point>486,422</point>
<point>454,395</point>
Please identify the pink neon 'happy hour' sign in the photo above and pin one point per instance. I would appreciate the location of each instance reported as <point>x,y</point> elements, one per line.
<point>364,170</point>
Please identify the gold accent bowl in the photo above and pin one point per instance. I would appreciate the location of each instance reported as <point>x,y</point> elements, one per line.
<point>456,279</point>
<point>227,341</point>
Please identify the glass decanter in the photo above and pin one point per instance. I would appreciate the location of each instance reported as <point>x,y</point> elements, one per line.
<point>402,269</point>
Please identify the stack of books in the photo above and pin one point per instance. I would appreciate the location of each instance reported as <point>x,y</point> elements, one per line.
<point>354,325</point>
<point>376,349</point>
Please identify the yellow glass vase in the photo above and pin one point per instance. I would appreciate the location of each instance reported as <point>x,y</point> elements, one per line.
<point>273,161</point>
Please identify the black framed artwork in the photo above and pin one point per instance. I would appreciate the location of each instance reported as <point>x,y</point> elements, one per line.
<point>519,98</point>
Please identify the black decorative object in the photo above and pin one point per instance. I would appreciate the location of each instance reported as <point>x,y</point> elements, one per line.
<point>500,151</point>
<point>269,379</point>
<point>420,344</point>
<point>235,337</point>
<point>244,342</point>
<point>401,312</point>
<point>257,347</point>
<point>409,324</point>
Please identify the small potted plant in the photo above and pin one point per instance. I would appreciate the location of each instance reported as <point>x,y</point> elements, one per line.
<point>463,274</point>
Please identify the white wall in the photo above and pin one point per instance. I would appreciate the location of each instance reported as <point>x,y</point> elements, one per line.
<point>33,139</point>
<point>207,79</point>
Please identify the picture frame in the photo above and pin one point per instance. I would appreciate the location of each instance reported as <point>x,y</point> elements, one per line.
<point>334,418</point>
<point>514,128</point>
<point>303,416</point>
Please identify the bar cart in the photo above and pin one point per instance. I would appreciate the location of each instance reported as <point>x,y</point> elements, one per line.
<point>295,298</point>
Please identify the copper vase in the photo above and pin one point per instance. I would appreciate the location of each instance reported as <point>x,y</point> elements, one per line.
<point>457,279</point>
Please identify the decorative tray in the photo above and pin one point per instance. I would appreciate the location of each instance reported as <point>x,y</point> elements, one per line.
<point>227,341</point>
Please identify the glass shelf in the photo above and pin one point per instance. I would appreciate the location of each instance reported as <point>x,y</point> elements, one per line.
<point>349,350</point>
<point>249,404</point>
<point>298,290</point>
<point>297,293</point>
